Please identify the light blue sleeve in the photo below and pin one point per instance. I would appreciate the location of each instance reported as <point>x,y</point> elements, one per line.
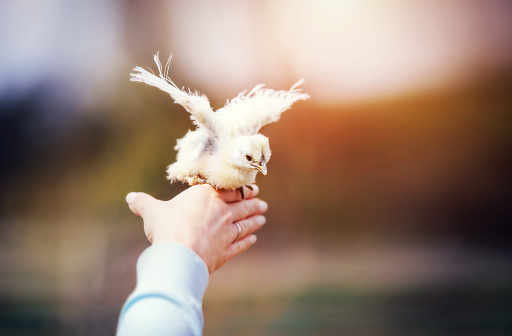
<point>168,298</point>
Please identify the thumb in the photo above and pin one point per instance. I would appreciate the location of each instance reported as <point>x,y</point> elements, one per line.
<point>138,202</point>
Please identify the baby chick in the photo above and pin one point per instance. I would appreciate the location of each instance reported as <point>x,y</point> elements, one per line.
<point>226,150</point>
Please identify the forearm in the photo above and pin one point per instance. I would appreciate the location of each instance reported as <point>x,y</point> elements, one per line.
<point>171,281</point>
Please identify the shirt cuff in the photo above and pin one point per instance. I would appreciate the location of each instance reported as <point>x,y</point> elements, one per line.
<point>174,272</point>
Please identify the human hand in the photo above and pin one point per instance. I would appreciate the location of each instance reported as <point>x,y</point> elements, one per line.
<point>202,219</point>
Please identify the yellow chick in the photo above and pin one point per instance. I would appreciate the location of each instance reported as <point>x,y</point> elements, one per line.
<point>226,150</point>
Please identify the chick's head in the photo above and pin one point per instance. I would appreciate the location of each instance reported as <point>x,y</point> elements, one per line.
<point>252,152</point>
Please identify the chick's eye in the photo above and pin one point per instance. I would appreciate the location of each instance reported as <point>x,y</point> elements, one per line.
<point>248,157</point>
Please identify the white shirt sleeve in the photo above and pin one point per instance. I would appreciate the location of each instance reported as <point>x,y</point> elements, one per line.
<point>171,282</point>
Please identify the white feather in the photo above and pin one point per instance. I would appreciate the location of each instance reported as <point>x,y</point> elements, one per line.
<point>197,105</point>
<point>225,150</point>
<point>247,114</point>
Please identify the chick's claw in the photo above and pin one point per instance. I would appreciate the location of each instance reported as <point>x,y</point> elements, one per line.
<point>242,192</point>
<point>196,179</point>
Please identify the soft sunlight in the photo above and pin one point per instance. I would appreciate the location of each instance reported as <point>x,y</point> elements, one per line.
<point>346,50</point>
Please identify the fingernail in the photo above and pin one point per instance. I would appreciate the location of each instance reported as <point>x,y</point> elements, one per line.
<point>255,188</point>
<point>263,206</point>
<point>252,239</point>
<point>130,197</point>
<point>261,220</point>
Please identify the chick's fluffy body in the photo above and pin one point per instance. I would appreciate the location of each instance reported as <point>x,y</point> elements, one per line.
<point>202,159</point>
<point>226,149</point>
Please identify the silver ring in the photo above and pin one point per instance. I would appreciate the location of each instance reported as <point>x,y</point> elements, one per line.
<point>239,232</point>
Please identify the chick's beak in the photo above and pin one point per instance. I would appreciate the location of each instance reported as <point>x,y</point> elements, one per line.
<point>261,166</point>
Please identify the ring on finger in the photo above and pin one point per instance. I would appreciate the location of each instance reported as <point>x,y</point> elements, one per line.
<point>239,232</point>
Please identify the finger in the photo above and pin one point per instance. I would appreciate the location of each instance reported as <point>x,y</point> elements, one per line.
<point>251,225</point>
<point>230,196</point>
<point>247,208</point>
<point>240,246</point>
<point>139,202</point>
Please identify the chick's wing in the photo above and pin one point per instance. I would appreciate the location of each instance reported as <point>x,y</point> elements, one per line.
<point>247,113</point>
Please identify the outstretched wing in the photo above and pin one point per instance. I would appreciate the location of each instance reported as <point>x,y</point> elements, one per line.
<point>197,105</point>
<point>247,113</point>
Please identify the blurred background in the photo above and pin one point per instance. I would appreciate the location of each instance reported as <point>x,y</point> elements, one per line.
<point>389,189</point>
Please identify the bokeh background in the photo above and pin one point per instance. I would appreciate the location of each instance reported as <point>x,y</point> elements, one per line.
<point>389,189</point>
